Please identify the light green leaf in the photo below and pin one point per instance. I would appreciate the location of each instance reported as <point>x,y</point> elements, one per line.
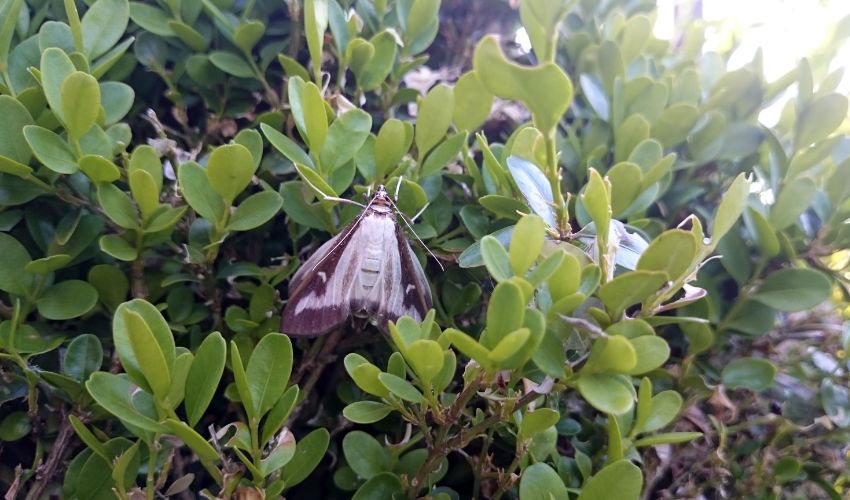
<point>434,116</point>
<point>51,150</point>
<point>255,211</point>
<point>204,376</point>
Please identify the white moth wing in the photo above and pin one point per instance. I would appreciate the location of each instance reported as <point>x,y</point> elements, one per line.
<point>319,292</point>
<point>368,268</point>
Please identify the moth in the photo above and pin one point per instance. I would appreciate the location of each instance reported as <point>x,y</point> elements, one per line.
<point>366,270</point>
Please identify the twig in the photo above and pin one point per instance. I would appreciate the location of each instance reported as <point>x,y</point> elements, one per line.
<point>316,365</point>
<point>48,469</point>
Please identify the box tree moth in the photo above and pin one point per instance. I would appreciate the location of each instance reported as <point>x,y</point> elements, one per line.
<point>368,270</point>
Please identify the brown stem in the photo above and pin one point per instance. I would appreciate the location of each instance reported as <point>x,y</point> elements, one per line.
<point>316,366</point>
<point>49,468</point>
<point>137,276</point>
<point>460,441</point>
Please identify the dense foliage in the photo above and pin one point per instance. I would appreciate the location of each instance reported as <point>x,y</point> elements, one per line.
<point>166,165</point>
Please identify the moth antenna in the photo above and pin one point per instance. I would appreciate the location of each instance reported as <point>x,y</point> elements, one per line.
<point>398,186</point>
<point>409,226</point>
<point>420,212</point>
<point>331,198</point>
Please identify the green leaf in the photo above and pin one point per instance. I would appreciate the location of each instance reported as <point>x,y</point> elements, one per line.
<point>292,67</point>
<point>193,440</point>
<point>495,258</point>
<point>538,421</point>
<point>383,485</point>
<point>608,393</point>
<point>117,205</point>
<point>391,144</point>
<point>793,290</point>
<point>308,109</point>
<point>425,357</point>
<point>652,352</point>
<point>83,356</point>
<point>667,438</point>
<point>507,346</point>
<point>255,211</point>
<point>611,354</point>
<point>66,300</point>
<point>621,480</point>
<point>755,374</point>
<point>268,371</point>
<point>380,62</point>
<point>248,34</point>
<point>111,284</point>
<point>472,102</point>
<point>99,169</point>
<point>15,426</point>
<point>672,252</point>
<point>286,146</point>
<point>545,89</point>
<point>230,169</point>
<point>433,118</point>
<point>731,206</point>
<point>116,99</point>
<point>596,199</point>
<point>198,191</point>
<point>80,96</point>
<point>505,313</point>
<point>13,259</point>
<point>315,25</point>
<point>365,375</point>
<point>630,288</point>
<point>144,190</point>
<point>103,25</point>
<point>145,158</point>
<point>540,482</point>
<point>626,180</point>
<point>345,137</point>
<point>401,388</point>
<point>154,321</point>
<point>468,346</point>
<point>204,376</point>
<point>13,146</point>
<point>231,63</point>
<point>819,118</point>
<point>309,453</point>
<point>281,453</point>
<point>279,413</point>
<point>444,153</point>
<point>55,67</point>
<point>364,454</point>
<point>526,243</point>
<point>152,361</point>
<point>664,408</point>
<point>366,412</point>
<point>150,18</point>
<point>115,394</point>
<point>118,247</point>
<point>241,380</point>
<point>47,265</point>
<point>51,150</point>
<point>793,200</point>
